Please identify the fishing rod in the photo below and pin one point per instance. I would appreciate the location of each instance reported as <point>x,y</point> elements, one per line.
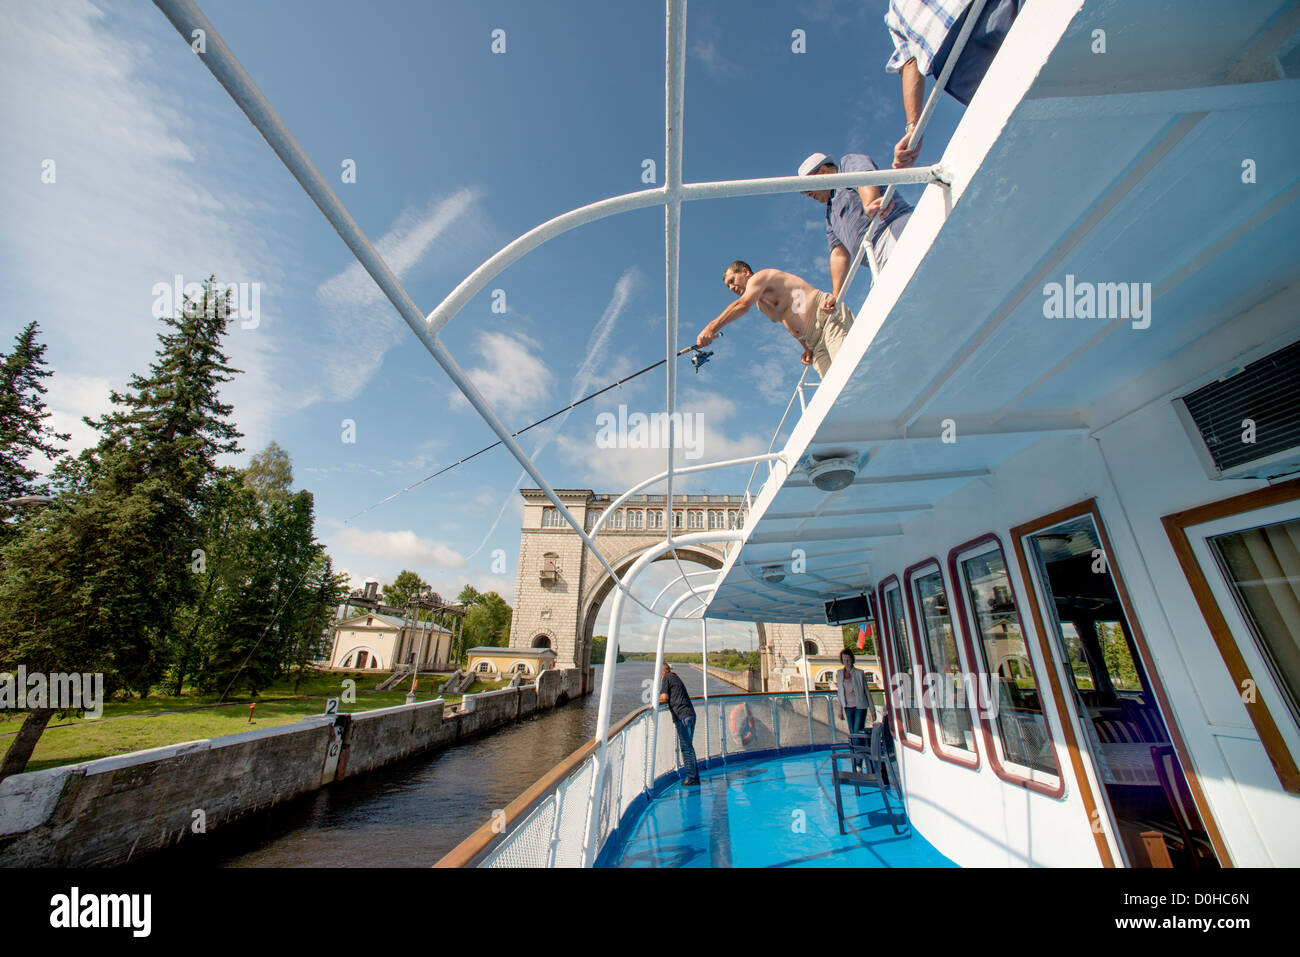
<point>700,357</point>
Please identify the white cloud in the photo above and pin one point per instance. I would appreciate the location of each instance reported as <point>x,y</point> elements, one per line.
<point>717,65</point>
<point>623,289</point>
<point>71,397</point>
<point>512,378</point>
<point>616,469</point>
<point>358,314</point>
<point>402,546</point>
<point>128,193</point>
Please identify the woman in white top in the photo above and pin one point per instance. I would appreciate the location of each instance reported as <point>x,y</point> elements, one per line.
<point>851,689</point>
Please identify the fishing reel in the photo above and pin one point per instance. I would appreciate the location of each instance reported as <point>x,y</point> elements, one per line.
<point>699,355</point>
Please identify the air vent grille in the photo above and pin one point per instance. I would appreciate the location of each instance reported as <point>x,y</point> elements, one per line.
<point>1267,392</point>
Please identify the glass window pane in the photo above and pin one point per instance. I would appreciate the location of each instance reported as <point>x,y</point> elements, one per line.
<point>1079,670</point>
<point>1262,565</point>
<point>903,655</point>
<point>1022,728</point>
<point>949,691</point>
<point>1119,660</point>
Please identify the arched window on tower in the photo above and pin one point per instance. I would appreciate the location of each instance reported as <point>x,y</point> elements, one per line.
<point>810,647</point>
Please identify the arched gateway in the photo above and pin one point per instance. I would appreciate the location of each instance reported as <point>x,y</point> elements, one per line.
<point>560,587</point>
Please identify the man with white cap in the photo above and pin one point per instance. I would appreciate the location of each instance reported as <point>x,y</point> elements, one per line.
<point>848,212</point>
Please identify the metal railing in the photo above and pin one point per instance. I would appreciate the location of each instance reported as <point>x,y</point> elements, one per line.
<point>546,827</point>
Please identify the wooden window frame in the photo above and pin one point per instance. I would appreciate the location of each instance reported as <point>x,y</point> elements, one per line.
<point>973,762</point>
<point>1176,525</point>
<point>1091,804</point>
<point>975,652</point>
<point>900,725</point>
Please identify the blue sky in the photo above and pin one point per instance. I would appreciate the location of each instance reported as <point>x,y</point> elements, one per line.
<point>457,151</point>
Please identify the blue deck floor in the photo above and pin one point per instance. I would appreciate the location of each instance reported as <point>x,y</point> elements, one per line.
<point>775,813</point>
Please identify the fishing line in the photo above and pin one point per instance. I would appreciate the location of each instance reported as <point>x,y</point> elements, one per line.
<point>697,360</point>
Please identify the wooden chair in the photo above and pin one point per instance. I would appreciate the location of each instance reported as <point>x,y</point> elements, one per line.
<point>1180,800</point>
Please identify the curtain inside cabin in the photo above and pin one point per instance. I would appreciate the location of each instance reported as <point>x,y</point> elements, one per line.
<point>1263,567</point>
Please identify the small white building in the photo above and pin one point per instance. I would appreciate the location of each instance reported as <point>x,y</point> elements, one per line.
<point>494,663</point>
<point>382,642</point>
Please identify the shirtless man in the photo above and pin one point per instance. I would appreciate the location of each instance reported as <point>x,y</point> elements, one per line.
<point>817,324</point>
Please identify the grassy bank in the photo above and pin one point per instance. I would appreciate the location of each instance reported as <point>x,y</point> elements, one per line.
<point>140,723</point>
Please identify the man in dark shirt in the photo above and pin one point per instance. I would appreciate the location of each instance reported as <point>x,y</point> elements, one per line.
<point>673,693</point>
<point>848,212</point>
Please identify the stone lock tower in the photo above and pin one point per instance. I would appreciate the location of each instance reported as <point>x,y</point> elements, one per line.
<point>559,587</point>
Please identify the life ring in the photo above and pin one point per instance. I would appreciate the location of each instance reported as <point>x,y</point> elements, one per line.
<point>741,724</point>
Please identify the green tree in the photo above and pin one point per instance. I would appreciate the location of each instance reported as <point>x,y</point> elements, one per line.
<point>406,584</point>
<point>487,623</point>
<point>269,475</point>
<point>1119,661</point>
<point>97,582</point>
<point>24,434</point>
<point>327,588</point>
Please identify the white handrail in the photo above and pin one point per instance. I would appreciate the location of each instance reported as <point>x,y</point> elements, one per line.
<point>726,463</point>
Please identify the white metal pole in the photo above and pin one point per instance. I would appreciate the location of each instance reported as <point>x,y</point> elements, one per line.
<point>704,650</point>
<point>807,695</point>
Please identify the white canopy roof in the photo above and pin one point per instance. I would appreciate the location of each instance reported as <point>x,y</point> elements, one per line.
<point>1122,166</point>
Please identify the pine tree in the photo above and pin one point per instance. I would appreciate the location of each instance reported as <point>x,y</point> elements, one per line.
<point>327,589</point>
<point>97,582</point>
<point>24,433</point>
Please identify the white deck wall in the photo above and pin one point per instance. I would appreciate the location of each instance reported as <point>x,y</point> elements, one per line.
<point>1139,468</point>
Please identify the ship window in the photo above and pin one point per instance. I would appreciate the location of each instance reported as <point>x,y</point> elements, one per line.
<point>1241,556</point>
<point>1262,565</point>
<point>1149,793</point>
<point>903,687</point>
<point>945,693</point>
<point>1012,701</point>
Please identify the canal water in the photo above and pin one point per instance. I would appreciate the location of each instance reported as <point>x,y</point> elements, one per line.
<point>412,812</point>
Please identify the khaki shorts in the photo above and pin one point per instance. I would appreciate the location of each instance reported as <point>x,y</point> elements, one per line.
<point>828,333</point>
